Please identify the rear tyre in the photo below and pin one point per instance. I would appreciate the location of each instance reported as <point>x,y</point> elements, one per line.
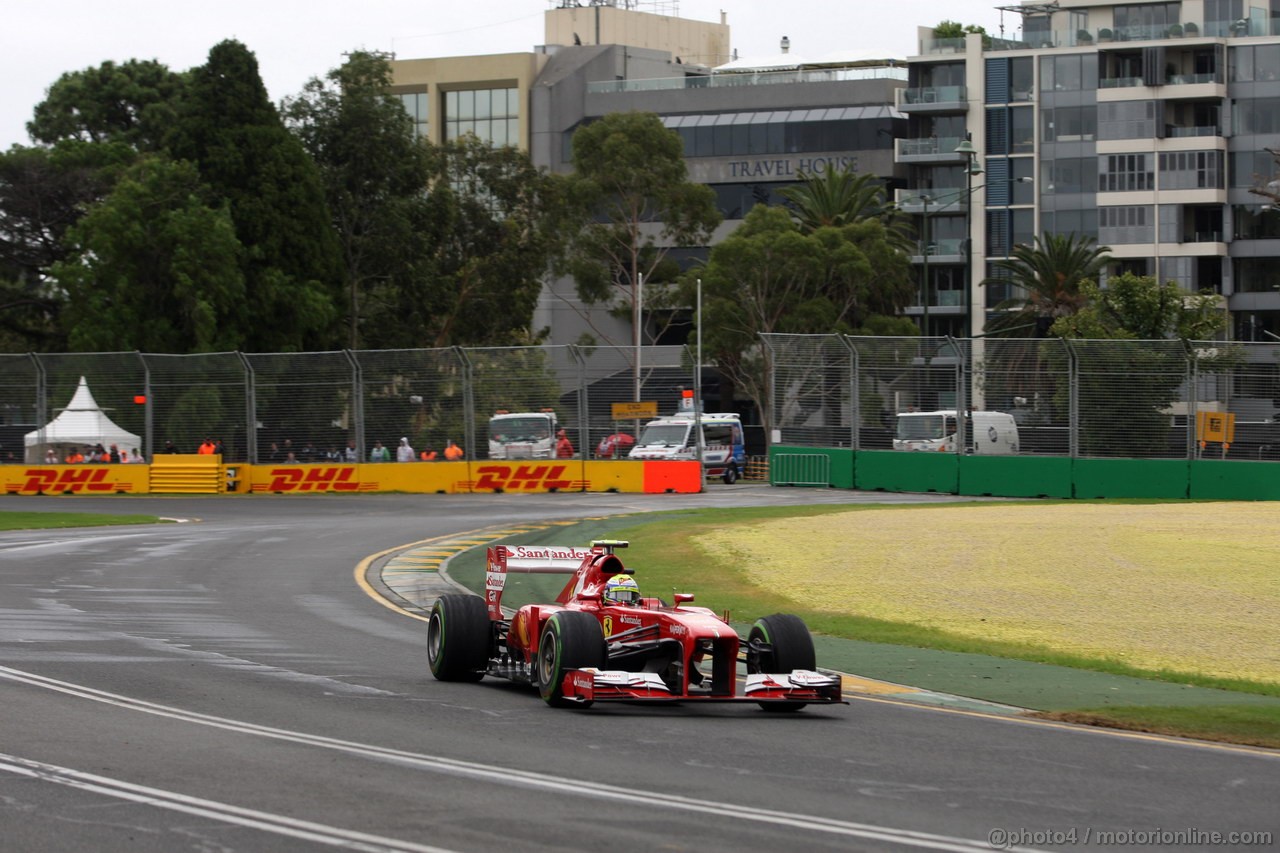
<point>730,475</point>
<point>570,640</point>
<point>779,644</point>
<point>458,638</point>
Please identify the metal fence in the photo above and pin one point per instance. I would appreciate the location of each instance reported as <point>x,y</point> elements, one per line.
<point>263,406</point>
<point>1103,399</point>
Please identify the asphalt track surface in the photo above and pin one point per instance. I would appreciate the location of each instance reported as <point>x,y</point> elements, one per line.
<point>225,685</point>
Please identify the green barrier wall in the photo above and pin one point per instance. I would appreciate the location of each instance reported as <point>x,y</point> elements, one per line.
<point>1235,481</point>
<point>1131,478</point>
<point>898,471</point>
<point>1016,476</point>
<point>1046,476</point>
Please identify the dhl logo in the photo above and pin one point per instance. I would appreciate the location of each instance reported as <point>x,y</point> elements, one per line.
<point>522,478</point>
<point>326,479</point>
<point>51,480</point>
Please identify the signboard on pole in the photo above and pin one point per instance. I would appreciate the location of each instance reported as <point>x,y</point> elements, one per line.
<point>631,411</point>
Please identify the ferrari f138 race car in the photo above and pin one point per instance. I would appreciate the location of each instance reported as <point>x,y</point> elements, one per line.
<point>600,641</point>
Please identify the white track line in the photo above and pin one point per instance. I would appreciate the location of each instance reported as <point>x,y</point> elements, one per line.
<point>508,776</point>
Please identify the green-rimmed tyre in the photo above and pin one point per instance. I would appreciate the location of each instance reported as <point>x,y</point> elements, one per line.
<point>570,640</point>
<point>458,638</point>
<point>779,644</point>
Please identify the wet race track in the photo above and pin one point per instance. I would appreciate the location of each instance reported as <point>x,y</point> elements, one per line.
<point>226,685</point>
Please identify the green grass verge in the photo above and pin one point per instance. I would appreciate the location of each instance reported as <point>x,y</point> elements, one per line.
<point>663,551</point>
<point>1251,725</point>
<point>47,520</point>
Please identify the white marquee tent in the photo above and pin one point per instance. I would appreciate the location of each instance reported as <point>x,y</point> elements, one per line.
<point>82,423</point>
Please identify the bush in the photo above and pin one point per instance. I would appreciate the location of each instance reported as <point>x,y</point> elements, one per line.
<point>1191,29</point>
<point>1084,37</point>
<point>1104,33</point>
<point>1174,31</point>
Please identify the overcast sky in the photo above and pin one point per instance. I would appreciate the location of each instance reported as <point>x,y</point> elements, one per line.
<point>294,40</point>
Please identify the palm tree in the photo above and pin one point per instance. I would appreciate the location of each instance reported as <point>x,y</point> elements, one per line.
<point>841,197</point>
<point>1047,275</point>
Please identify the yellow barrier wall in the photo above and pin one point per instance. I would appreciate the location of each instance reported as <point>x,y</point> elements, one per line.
<point>89,479</point>
<point>463,477</point>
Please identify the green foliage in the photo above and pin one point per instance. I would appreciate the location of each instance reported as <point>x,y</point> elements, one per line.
<point>153,268</point>
<point>494,222</point>
<point>373,172</point>
<point>1137,307</point>
<point>291,264</point>
<point>955,30</point>
<point>1048,276</point>
<point>771,275</point>
<point>132,103</point>
<point>629,173</point>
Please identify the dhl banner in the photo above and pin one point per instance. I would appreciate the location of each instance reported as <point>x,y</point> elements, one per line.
<point>75,479</point>
<point>527,476</point>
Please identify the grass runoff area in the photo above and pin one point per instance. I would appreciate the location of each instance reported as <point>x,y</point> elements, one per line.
<point>1176,593</point>
<point>49,520</point>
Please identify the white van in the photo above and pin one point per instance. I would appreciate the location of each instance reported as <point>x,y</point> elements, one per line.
<point>987,433</point>
<point>724,452</point>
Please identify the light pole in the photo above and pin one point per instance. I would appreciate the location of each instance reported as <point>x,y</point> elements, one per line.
<point>924,254</point>
<point>971,168</point>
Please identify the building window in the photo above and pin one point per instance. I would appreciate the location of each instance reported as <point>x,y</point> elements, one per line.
<point>1256,275</point>
<point>1082,222</point>
<point>1069,124</point>
<point>1127,120</point>
<point>1069,175</point>
<point>1146,20</point>
<point>415,104</point>
<point>1191,170</point>
<point>493,115</point>
<point>1252,222</point>
<point>1123,173</point>
<point>1260,115</point>
<point>1120,225</point>
<point>1069,73</point>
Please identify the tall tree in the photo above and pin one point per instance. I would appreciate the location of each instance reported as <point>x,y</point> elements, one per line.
<point>133,103</point>
<point>1140,308</point>
<point>496,221</point>
<point>153,268</point>
<point>1048,277</point>
<point>770,275</point>
<point>840,197</point>
<point>43,192</point>
<point>292,263</point>
<point>375,173</point>
<point>631,187</point>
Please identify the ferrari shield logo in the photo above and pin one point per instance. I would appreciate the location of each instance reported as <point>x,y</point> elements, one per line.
<point>608,626</point>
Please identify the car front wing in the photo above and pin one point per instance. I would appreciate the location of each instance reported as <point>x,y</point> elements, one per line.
<point>801,685</point>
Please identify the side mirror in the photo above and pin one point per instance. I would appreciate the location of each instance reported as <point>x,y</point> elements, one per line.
<point>589,596</point>
<point>683,598</point>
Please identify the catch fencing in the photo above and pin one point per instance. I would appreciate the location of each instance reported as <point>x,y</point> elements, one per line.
<point>263,407</point>
<point>1097,399</point>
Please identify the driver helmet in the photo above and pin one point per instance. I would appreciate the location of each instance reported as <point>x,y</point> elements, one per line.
<point>621,589</point>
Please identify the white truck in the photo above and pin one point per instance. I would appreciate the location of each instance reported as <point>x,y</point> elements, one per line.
<point>523,435</point>
<point>986,433</point>
<point>724,452</point>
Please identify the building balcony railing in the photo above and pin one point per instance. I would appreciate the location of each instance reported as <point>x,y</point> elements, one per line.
<point>1192,79</point>
<point>747,78</point>
<point>1106,36</point>
<point>932,98</point>
<point>933,148</point>
<point>939,200</point>
<point>943,251</point>
<point>1119,82</point>
<point>1173,132</point>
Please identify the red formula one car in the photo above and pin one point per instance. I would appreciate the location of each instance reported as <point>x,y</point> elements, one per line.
<point>587,647</point>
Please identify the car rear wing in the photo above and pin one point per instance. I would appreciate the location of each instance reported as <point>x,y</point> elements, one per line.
<point>527,559</point>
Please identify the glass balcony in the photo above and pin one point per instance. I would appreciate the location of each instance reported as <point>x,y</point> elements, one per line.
<point>933,97</point>
<point>933,148</point>
<point>739,79</point>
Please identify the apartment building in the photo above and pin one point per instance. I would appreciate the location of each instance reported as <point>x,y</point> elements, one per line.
<point>1143,125</point>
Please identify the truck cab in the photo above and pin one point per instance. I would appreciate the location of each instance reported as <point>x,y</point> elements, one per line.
<point>987,433</point>
<point>724,449</point>
<point>523,435</point>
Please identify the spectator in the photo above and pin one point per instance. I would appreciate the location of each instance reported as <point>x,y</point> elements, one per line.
<point>452,452</point>
<point>290,458</point>
<point>218,448</point>
<point>379,453</point>
<point>168,446</point>
<point>427,455</point>
<point>333,454</point>
<point>404,453</point>
<point>274,454</point>
<point>564,447</point>
<point>205,448</point>
<point>136,457</point>
<point>310,453</point>
<point>350,454</point>
<point>75,457</point>
<point>114,455</point>
<point>51,457</point>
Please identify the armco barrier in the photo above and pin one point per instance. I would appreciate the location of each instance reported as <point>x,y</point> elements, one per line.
<point>890,471</point>
<point>1015,476</point>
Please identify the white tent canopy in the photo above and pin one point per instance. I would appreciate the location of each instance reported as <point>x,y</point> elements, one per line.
<point>82,423</point>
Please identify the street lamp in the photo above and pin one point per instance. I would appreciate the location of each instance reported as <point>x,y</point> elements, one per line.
<point>971,168</point>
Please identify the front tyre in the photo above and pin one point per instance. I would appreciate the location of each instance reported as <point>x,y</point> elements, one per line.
<point>570,640</point>
<point>458,638</point>
<point>779,644</point>
<point>730,474</point>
